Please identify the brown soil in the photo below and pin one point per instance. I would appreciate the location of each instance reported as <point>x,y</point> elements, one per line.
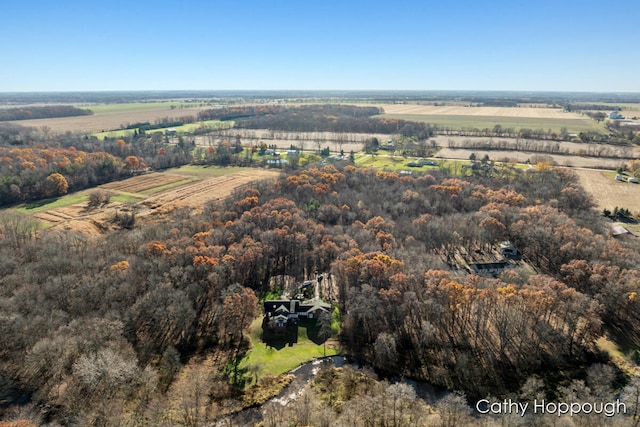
<point>194,194</point>
<point>78,218</point>
<point>609,193</point>
<point>141,183</point>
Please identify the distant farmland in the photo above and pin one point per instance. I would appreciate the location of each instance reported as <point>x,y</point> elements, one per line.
<point>458,117</point>
<point>113,116</point>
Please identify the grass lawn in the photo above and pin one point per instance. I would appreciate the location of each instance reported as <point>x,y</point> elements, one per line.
<point>459,122</point>
<point>273,361</point>
<point>397,163</point>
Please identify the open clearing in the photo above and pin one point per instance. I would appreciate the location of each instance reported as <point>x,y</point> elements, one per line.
<point>195,194</point>
<point>456,110</point>
<point>113,118</point>
<point>459,117</point>
<point>461,122</point>
<point>523,156</point>
<point>609,193</point>
<point>577,148</point>
<point>272,361</point>
<point>150,196</point>
<point>142,183</point>
<point>189,127</point>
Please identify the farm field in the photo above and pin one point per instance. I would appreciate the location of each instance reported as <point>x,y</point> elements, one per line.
<point>142,183</point>
<point>150,196</point>
<point>523,156</point>
<point>457,110</point>
<point>609,193</point>
<point>195,194</point>
<point>189,127</point>
<point>111,118</point>
<point>469,121</point>
<point>578,148</point>
<point>283,140</point>
<point>116,108</point>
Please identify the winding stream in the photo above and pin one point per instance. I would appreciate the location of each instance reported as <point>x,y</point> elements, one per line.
<point>305,373</point>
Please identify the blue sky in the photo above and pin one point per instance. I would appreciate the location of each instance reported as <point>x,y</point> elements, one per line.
<point>559,45</point>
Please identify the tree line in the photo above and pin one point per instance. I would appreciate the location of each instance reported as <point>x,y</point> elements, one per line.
<point>44,112</point>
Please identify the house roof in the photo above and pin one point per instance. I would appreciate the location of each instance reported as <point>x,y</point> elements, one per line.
<point>287,306</point>
<point>295,306</point>
<point>619,230</point>
<point>488,265</point>
<point>314,305</point>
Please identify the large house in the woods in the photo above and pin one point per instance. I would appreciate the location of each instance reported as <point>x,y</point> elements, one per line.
<point>279,313</point>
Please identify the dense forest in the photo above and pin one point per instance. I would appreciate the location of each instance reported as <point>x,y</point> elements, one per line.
<point>317,118</point>
<point>100,331</point>
<point>44,112</point>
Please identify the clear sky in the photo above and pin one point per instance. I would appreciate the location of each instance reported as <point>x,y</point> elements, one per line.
<point>537,45</point>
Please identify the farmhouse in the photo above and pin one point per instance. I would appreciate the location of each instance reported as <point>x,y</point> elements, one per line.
<point>614,115</point>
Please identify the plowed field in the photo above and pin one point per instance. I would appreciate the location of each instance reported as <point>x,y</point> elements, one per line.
<point>158,193</point>
<point>196,194</point>
<point>142,183</point>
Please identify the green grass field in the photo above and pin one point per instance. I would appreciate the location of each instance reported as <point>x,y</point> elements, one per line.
<point>399,163</point>
<point>134,106</point>
<point>72,199</point>
<point>391,163</point>
<point>488,122</point>
<point>206,171</point>
<point>60,202</point>
<point>169,186</point>
<point>274,362</point>
<point>189,127</point>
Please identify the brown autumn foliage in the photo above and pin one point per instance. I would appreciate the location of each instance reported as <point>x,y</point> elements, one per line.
<point>151,298</point>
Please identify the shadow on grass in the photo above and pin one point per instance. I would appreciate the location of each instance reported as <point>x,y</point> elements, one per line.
<point>279,338</point>
<point>40,203</point>
<point>313,332</point>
